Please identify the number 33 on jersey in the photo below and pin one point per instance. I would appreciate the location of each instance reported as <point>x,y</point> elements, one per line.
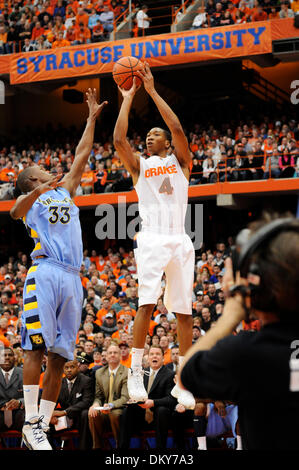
<point>54,225</point>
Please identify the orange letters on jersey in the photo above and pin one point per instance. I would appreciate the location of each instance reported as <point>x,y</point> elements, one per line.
<point>160,170</point>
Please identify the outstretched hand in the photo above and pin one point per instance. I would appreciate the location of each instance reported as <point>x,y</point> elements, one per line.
<point>95,109</point>
<point>146,76</point>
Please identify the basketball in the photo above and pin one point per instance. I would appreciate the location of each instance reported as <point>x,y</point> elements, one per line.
<point>124,71</point>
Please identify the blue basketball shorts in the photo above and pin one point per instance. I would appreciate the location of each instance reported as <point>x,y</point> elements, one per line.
<point>217,425</point>
<point>52,309</point>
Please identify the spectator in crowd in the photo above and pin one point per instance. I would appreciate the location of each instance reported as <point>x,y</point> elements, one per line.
<point>156,412</point>
<point>173,365</point>
<point>164,345</point>
<point>226,19</point>
<point>107,18</point>
<point>85,360</point>
<point>82,18</point>
<point>94,17</point>
<point>272,169</point>
<point>143,21</point>
<point>3,38</point>
<point>12,44</point>
<point>59,10</point>
<point>109,324</point>
<point>82,36</point>
<point>259,15</point>
<point>125,354</point>
<point>206,318</point>
<point>60,41</point>
<point>237,174</point>
<point>210,7</point>
<point>12,413</point>
<point>285,11</point>
<point>75,398</point>
<point>216,17</point>
<point>201,19</point>
<point>37,31</point>
<point>111,395</point>
<point>286,164</point>
<point>28,46</point>
<point>97,35</point>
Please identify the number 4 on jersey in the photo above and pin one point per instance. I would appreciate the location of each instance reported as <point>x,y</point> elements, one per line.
<point>166,186</point>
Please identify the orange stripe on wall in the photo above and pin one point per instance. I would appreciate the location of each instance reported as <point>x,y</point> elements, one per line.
<point>244,187</point>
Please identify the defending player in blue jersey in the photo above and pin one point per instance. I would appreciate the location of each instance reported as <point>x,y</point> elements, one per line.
<point>53,290</point>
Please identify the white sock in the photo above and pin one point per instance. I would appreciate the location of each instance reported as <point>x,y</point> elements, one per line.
<point>239,443</point>
<point>46,409</point>
<point>137,355</point>
<point>30,401</point>
<point>202,443</point>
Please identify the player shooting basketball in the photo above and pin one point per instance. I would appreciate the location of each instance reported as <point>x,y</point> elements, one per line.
<point>52,291</point>
<point>161,183</point>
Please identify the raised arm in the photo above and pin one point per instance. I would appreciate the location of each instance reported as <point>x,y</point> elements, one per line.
<point>121,144</point>
<point>179,139</point>
<point>72,180</point>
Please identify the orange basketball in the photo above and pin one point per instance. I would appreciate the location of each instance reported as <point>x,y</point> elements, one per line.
<point>124,71</point>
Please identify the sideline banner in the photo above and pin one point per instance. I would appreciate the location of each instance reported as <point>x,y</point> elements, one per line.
<point>160,50</point>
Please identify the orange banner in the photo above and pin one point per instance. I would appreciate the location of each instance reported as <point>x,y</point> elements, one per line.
<point>161,50</point>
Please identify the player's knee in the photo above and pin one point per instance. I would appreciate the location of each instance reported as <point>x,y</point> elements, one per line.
<point>146,310</point>
<point>185,320</point>
<point>200,409</point>
<point>55,361</point>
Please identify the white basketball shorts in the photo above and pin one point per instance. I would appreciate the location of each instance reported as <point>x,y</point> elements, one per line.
<point>156,253</point>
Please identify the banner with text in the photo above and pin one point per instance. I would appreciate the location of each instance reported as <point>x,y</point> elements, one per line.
<point>161,50</point>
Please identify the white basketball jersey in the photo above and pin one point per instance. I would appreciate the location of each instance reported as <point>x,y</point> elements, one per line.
<point>162,190</point>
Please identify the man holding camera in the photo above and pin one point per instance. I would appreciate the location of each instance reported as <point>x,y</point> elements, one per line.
<point>260,370</point>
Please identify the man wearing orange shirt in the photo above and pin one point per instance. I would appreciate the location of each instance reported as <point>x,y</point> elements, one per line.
<point>260,14</point>
<point>125,355</point>
<point>232,9</point>
<point>37,31</point>
<point>60,42</point>
<point>103,311</point>
<point>82,18</point>
<point>88,177</point>
<point>82,35</point>
<point>109,295</point>
<point>164,344</point>
<point>3,38</point>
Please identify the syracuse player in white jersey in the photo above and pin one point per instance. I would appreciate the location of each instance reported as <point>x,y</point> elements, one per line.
<point>162,245</point>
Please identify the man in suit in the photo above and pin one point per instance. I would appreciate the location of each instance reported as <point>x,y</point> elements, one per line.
<point>174,364</point>
<point>12,412</point>
<point>111,394</point>
<point>75,397</point>
<point>155,413</point>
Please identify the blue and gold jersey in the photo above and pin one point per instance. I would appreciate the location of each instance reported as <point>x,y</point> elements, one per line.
<point>53,223</point>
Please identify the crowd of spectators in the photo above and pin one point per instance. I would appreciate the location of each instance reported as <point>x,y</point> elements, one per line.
<point>110,286</point>
<point>44,24</point>
<point>247,151</point>
<point>227,12</point>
